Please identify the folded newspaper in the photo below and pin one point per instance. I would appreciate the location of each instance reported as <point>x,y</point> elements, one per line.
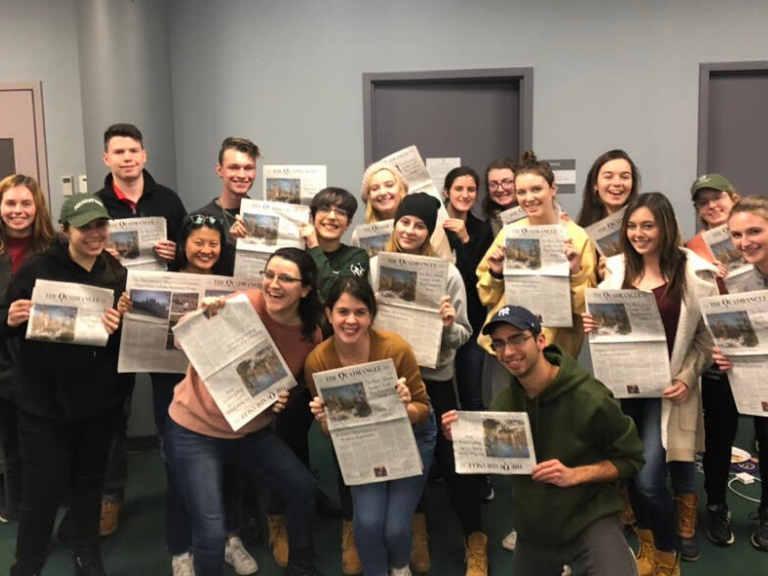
<point>629,347</point>
<point>370,429</point>
<point>236,358</point>
<point>512,215</point>
<point>373,237</point>
<point>69,313</point>
<point>134,239</point>
<point>493,443</point>
<point>721,246</point>
<point>605,234</point>
<point>293,184</point>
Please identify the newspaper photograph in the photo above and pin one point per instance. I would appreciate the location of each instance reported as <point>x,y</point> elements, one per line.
<point>373,237</point>
<point>605,233</point>
<point>236,358</point>
<point>293,184</point>
<point>629,347</point>
<point>493,443</point>
<point>409,289</point>
<point>512,215</point>
<point>536,273</point>
<point>134,239</point>
<point>69,313</point>
<point>160,299</point>
<point>369,426</point>
<point>719,242</point>
<point>271,225</point>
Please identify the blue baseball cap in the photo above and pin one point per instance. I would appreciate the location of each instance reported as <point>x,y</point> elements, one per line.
<point>516,316</point>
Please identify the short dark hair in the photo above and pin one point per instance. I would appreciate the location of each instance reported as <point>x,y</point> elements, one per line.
<point>331,196</point>
<point>190,224</point>
<point>458,172</point>
<point>124,130</point>
<point>241,145</point>
<point>358,288</point>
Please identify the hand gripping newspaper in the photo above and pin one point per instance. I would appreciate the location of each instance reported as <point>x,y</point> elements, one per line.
<point>605,234</point>
<point>69,313</point>
<point>269,226</point>
<point>493,443</point>
<point>629,347</point>
<point>134,239</point>
<point>373,237</point>
<point>409,289</point>
<point>370,429</point>
<point>718,240</point>
<point>536,273</point>
<point>160,299</point>
<point>236,359</point>
<point>739,326</point>
<point>293,184</point>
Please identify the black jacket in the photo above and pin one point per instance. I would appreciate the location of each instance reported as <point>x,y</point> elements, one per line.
<point>65,382</point>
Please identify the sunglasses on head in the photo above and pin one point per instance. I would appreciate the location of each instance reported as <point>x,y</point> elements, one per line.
<point>200,219</point>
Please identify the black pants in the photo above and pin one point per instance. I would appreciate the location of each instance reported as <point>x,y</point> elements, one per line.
<point>116,475</point>
<point>9,444</point>
<point>721,421</point>
<point>55,454</point>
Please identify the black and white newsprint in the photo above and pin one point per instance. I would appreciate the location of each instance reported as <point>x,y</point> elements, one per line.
<point>511,215</point>
<point>373,237</point>
<point>236,358</point>
<point>134,240</point>
<point>370,429</point>
<point>718,240</point>
<point>605,233</point>
<point>629,347</point>
<point>293,184</point>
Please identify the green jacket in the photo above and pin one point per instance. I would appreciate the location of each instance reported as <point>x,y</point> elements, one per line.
<point>344,262</point>
<point>575,420</point>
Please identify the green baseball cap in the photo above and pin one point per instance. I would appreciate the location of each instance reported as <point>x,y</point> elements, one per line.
<point>80,209</point>
<point>711,182</point>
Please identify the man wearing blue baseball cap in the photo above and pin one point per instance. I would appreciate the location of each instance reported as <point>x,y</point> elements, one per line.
<point>568,508</point>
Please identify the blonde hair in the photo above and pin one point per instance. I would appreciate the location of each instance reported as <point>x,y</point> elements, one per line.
<point>365,189</point>
<point>393,246</point>
<point>757,205</point>
<point>43,234</point>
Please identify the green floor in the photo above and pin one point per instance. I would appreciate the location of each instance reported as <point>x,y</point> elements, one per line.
<point>137,547</point>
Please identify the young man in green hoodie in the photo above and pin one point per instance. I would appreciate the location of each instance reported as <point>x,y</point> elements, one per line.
<point>568,508</point>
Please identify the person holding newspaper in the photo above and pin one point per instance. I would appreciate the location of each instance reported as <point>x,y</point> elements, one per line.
<point>567,509</point>
<point>500,192</point>
<point>653,260</point>
<point>383,510</point>
<point>69,397</point>
<point>748,226</point>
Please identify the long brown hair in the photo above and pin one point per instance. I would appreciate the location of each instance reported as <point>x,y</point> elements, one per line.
<point>592,208</point>
<point>43,234</point>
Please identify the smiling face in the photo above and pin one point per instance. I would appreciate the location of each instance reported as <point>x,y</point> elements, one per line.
<point>125,158</point>
<point>237,171</point>
<point>501,187</point>
<point>202,249</point>
<point>749,233</point>
<point>18,211</point>
<point>331,222</point>
<point>713,206</point>
<point>350,319</point>
<point>282,287</point>
<point>536,197</point>
<point>614,184</point>
<point>411,232</point>
<point>87,242</point>
<point>643,232</point>
<point>520,361</point>
<point>462,195</point>
<point>384,194</point>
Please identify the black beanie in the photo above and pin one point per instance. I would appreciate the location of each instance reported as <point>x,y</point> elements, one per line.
<point>421,205</point>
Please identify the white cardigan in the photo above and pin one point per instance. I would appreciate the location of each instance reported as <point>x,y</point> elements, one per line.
<point>682,426</point>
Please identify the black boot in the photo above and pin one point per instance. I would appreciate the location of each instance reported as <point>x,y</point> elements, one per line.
<point>88,563</point>
<point>301,562</point>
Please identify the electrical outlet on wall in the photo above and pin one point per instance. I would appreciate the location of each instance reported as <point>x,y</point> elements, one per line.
<point>82,184</point>
<point>67,188</point>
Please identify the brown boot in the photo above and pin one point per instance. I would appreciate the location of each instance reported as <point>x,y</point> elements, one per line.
<point>667,564</point>
<point>420,560</point>
<point>476,554</point>
<point>278,540</point>
<point>110,517</point>
<point>646,553</point>
<point>350,559</point>
<point>685,526</point>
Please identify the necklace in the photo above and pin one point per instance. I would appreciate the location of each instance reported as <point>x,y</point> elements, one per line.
<point>228,219</point>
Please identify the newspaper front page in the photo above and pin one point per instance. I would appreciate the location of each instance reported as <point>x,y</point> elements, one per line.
<point>236,358</point>
<point>409,289</point>
<point>373,237</point>
<point>293,184</point>
<point>493,443</point>
<point>536,273</point>
<point>605,234</point>
<point>370,430</point>
<point>134,239</point>
<point>69,313</point>
<point>160,299</point>
<point>721,246</point>
<point>629,348</point>
<point>512,215</point>
<point>739,326</point>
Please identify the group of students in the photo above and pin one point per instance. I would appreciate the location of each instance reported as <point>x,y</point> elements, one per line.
<point>62,405</point>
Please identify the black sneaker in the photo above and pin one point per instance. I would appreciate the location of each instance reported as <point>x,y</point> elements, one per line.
<point>719,530</point>
<point>251,532</point>
<point>759,537</point>
<point>88,564</point>
<point>301,562</point>
<point>486,489</point>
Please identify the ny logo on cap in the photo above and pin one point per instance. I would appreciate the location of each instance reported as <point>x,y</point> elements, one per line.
<point>503,311</point>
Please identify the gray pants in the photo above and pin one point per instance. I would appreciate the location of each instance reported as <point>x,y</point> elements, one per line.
<point>600,550</point>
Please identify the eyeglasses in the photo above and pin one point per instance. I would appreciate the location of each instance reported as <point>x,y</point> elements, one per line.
<point>513,342</point>
<point>704,200</point>
<point>506,184</point>
<point>200,219</point>
<point>282,278</point>
<point>340,212</point>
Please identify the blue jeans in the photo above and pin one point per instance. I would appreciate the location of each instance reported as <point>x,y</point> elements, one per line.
<point>383,511</point>
<point>198,463</point>
<point>469,375</point>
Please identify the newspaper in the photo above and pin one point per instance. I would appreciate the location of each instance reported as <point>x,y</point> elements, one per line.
<point>493,443</point>
<point>536,273</point>
<point>739,326</point>
<point>373,237</point>
<point>69,313</point>
<point>134,240</point>
<point>409,289</point>
<point>511,215</point>
<point>293,184</point>
<point>719,242</point>
<point>159,300</point>
<point>605,233</point>
<point>370,429</point>
<point>439,168</point>
<point>236,358</point>
<point>250,266</point>
<point>629,348</point>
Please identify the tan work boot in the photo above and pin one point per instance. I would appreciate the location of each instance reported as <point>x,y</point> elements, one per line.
<point>278,540</point>
<point>476,554</point>
<point>420,560</point>
<point>646,553</point>
<point>685,526</point>
<point>350,559</point>
<point>110,517</point>
<point>667,564</point>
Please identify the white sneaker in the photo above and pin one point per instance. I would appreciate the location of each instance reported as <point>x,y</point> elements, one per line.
<point>238,557</point>
<point>400,571</point>
<point>510,541</point>
<point>182,565</point>
<point>566,570</point>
